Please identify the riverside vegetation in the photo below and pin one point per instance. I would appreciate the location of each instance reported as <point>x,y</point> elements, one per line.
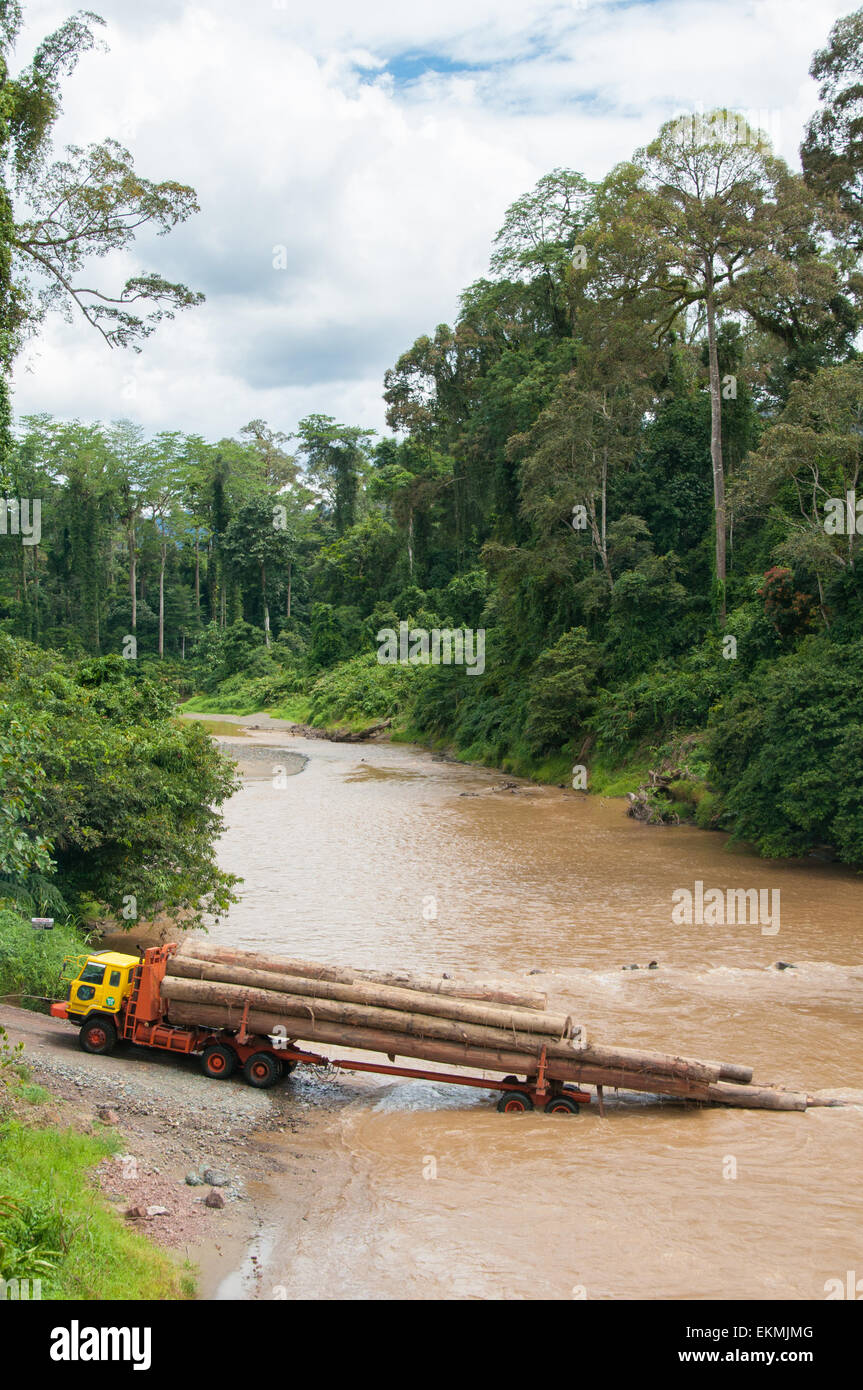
<point>620,463</point>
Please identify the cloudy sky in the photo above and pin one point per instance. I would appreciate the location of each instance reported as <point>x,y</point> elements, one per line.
<point>379,142</point>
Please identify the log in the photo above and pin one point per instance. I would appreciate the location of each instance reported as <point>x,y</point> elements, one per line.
<point>432,1050</point>
<point>305,1012</point>
<point>382,996</point>
<point>416,1024</point>
<point>302,1015</point>
<point>491,1059</point>
<point>431,984</point>
<point>731,1071</point>
<point>757,1097</point>
<point>657,1063</point>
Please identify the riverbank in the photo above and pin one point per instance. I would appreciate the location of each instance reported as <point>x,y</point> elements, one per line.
<point>605,778</point>
<point>126,1173</point>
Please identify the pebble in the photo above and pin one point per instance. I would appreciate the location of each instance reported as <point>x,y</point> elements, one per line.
<point>214,1178</point>
<point>214,1199</point>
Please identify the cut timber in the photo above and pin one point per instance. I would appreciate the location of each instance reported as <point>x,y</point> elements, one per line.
<point>381,996</point>
<point>758,1097</point>
<point>430,1050</point>
<point>302,1014</point>
<point>568,1067</point>
<point>731,1071</point>
<point>656,1063</point>
<point>430,984</point>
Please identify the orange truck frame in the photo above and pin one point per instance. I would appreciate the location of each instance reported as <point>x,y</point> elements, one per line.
<point>116,998</point>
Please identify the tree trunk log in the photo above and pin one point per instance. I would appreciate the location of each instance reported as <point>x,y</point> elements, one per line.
<point>731,1071</point>
<point>430,984</point>
<point>447,1053</point>
<point>301,1016</point>
<point>757,1097</point>
<point>383,996</point>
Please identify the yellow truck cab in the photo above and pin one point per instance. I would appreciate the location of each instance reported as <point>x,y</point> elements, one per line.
<point>103,984</point>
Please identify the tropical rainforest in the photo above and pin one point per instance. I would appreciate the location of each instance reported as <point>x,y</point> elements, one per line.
<point>631,461</point>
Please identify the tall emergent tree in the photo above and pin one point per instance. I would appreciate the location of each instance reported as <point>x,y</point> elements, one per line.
<point>832,149</point>
<point>56,216</point>
<point>708,221</point>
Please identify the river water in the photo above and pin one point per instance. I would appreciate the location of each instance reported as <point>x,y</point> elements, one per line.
<point>382,856</point>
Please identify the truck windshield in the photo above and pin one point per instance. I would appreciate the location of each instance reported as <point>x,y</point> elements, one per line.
<point>92,974</point>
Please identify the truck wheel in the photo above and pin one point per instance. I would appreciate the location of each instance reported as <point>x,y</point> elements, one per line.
<point>97,1035</point>
<point>262,1069</point>
<point>562,1105</point>
<point>218,1061</point>
<point>512,1102</point>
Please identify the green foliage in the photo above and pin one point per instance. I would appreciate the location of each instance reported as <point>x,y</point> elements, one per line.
<point>787,753</point>
<point>32,960</point>
<point>128,798</point>
<point>561,691</point>
<point>226,651</point>
<point>361,691</point>
<point>55,1226</point>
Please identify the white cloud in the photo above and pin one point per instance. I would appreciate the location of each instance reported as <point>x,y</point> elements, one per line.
<point>313,127</point>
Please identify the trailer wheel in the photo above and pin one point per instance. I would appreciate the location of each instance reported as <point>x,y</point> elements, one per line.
<point>218,1061</point>
<point>97,1035</point>
<point>262,1069</point>
<point>562,1105</point>
<point>514,1102</point>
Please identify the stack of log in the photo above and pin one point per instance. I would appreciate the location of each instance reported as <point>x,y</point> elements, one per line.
<point>487,1027</point>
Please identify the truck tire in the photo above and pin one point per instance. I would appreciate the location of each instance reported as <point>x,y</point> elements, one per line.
<point>98,1035</point>
<point>218,1061</point>
<point>515,1102</point>
<point>262,1069</point>
<point>562,1105</point>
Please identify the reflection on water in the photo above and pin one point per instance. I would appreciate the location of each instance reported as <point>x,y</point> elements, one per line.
<point>385,857</point>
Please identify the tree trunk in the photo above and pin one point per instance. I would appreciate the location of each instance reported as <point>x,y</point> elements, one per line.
<point>302,1015</point>
<point>431,984</point>
<point>572,1068</point>
<point>133,575</point>
<point>266,606</point>
<point>716,445</point>
<point>556,1025</point>
<point>36,592</point>
<point>290,573</point>
<point>758,1097</point>
<point>163,558</point>
<point>198,571</point>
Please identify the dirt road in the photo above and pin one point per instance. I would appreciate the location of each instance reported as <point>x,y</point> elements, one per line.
<point>175,1122</point>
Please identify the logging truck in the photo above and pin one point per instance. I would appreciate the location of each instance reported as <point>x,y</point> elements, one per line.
<point>115,999</point>
<point>242,1011</point>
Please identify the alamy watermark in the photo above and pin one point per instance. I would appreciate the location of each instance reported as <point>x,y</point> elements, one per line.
<point>757,128</point>
<point>20,1290</point>
<point>844,515</point>
<point>21,516</point>
<point>715,907</point>
<point>419,646</point>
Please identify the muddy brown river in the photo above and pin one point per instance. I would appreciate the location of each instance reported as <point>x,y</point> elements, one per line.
<point>382,855</point>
